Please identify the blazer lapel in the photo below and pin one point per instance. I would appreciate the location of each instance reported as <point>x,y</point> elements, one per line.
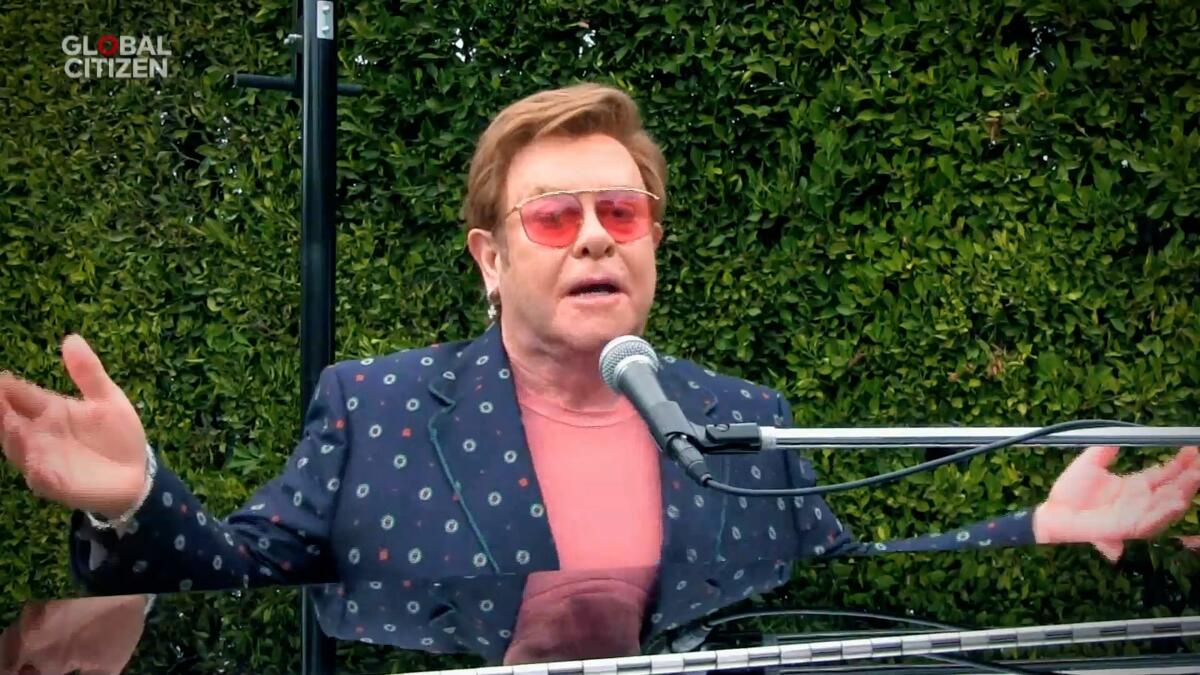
<point>479,440</point>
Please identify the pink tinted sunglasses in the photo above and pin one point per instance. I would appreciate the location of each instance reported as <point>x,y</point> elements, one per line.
<point>555,218</point>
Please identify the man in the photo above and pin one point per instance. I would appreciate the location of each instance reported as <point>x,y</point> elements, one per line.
<point>507,453</point>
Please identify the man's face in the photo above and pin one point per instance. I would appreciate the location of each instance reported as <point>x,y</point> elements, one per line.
<point>541,286</point>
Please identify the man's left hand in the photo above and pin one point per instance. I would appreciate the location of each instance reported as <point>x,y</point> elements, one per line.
<point>1090,504</point>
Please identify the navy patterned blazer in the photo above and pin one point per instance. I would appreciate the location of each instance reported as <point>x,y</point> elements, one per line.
<point>413,468</point>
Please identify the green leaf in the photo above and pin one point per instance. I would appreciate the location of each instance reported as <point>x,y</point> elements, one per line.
<point>1138,31</point>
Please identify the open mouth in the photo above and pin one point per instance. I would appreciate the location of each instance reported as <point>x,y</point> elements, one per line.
<point>598,289</point>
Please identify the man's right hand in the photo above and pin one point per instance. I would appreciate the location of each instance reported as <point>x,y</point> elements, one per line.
<point>87,453</point>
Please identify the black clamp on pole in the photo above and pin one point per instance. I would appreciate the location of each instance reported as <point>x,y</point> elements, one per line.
<point>314,82</point>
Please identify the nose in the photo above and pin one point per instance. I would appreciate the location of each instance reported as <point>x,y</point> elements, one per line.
<point>593,240</point>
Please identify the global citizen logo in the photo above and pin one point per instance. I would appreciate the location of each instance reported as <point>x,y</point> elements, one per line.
<point>126,57</point>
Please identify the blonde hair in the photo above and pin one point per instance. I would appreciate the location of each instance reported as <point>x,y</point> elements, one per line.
<point>577,110</point>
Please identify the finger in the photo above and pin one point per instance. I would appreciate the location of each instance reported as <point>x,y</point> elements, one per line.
<point>1098,455</point>
<point>23,451</point>
<point>1111,550</point>
<point>85,368</point>
<point>19,440</point>
<point>1186,483</point>
<point>1191,541</point>
<point>1168,506</point>
<point>1157,476</point>
<point>16,433</point>
<point>26,398</point>
<point>4,410</point>
<point>1189,482</point>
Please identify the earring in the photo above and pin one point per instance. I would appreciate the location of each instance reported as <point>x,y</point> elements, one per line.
<point>493,298</point>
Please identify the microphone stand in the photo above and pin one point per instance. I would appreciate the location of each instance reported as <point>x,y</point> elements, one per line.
<point>687,442</point>
<point>748,437</point>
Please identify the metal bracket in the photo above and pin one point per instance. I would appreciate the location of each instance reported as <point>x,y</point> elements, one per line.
<point>325,20</point>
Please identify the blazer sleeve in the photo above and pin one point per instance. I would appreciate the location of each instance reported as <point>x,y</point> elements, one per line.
<point>822,534</point>
<point>280,536</point>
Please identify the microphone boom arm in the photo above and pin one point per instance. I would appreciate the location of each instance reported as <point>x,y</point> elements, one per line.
<point>749,437</point>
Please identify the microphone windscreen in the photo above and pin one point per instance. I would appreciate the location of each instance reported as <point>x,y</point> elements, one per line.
<point>620,349</point>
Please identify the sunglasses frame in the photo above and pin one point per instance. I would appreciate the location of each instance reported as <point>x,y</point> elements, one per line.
<point>519,205</point>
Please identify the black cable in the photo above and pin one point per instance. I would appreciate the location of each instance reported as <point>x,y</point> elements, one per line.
<point>844,613</point>
<point>708,481</point>
<point>694,634</point>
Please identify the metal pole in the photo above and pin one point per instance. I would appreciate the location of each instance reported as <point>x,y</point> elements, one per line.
<point>953,437</point>
<point>317,238</point>
<point>314,82</point>
<point>856,651</point>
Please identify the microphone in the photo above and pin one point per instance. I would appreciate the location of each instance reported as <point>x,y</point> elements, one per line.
<point>629,365</point>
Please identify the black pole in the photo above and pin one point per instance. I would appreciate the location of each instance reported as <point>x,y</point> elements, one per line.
<point>317,238</point>
<point>314,81</point>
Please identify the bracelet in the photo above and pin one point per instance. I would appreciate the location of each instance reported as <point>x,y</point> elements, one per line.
<point>151,470</point>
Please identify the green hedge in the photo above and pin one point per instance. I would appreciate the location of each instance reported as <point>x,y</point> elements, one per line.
<point>898,213</point>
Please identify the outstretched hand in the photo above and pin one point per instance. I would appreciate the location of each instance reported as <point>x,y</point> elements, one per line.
<point>1090,504</point>
<point>85,453</point>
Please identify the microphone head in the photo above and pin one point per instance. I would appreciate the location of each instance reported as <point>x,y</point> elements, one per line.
<point>621,351</point>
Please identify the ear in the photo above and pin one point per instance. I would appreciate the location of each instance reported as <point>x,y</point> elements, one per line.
<point>488,255</point>
<point>656,231</point>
